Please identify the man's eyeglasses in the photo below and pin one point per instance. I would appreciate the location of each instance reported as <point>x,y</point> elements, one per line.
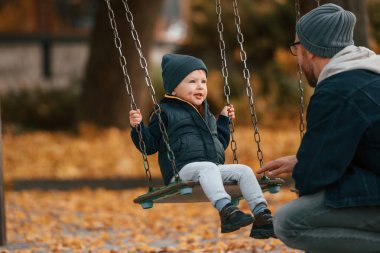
<point>293,47</point>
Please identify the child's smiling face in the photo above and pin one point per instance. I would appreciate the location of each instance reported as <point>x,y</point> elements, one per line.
<point>193,88</point>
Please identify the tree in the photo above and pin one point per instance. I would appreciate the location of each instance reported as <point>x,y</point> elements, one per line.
<point>267,26</point>
<point>362,22</point>
<point>3,231</point>
<point>104,99</point>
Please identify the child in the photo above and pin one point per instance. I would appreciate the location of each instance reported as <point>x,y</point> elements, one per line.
<point>198,142</point>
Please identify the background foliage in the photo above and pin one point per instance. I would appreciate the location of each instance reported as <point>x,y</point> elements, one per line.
<point>84,220</point>
<point>267,27</point>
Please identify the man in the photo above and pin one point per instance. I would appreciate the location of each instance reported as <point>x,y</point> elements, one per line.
<point>337,167</point>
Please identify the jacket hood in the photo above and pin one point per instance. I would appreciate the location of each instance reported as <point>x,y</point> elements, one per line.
<point>350,58</point>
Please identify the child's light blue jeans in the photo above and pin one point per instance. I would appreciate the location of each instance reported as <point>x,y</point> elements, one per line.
<point>307,224</point>
<point>212,176</point>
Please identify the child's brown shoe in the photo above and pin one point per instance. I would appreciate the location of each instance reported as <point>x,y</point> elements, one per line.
<point>263,226</point>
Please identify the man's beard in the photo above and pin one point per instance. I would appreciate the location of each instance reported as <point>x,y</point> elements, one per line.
<point>310,77</point>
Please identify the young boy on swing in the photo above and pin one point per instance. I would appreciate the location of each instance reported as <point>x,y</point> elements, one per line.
<point>198,142</point>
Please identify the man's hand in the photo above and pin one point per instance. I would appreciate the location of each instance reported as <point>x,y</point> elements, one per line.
<point>281,165</point>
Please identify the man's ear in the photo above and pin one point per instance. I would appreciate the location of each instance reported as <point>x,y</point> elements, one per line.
<point>310,56</point>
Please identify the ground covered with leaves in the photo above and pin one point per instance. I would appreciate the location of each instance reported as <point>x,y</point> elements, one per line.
<point>101,220</point>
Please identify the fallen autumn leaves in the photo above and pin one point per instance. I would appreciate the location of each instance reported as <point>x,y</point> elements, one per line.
<point>107,221</point>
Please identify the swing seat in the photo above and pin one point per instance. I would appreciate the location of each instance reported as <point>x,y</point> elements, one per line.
<point>191,192</point>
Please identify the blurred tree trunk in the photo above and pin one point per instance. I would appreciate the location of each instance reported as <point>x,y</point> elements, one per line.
<point>3,226</point>
<point>104,99</point>
<point>361,37</point>
<point>359,8</point>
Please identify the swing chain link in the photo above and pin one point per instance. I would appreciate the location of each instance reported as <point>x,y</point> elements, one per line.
<point>157,109</point>
<point>127,82</point>
<point>301,102</point>
<point>249,90</point>
<point>227,89</point>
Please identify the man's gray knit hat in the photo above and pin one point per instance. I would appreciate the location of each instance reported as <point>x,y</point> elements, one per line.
<point>326,30</point>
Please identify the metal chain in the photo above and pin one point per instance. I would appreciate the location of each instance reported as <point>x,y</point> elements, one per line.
<point>301,102</point>
<point>249,90</point>
<point>226,88</point>
<point>127,82</point>
<point>157,108</point>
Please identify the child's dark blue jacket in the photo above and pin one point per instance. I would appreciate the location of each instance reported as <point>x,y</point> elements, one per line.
<point>340,153</point>
<point>192,138</point>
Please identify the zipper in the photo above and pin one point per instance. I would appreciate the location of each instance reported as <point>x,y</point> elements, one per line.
<point>204,121</point>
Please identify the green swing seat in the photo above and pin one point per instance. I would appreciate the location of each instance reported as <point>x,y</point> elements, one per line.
<point>190,192</point>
